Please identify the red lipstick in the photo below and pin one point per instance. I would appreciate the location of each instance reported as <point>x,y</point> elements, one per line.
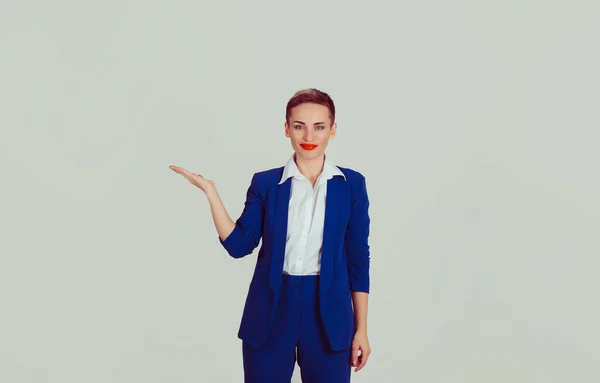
<point>308,146</point>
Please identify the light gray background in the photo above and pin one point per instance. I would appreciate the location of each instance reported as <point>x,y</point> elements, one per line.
<point>477,125</point>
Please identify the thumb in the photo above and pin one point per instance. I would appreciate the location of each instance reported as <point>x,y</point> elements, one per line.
<point>354,355</point>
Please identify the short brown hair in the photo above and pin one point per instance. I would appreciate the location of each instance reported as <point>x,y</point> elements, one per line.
<point>311,95</point>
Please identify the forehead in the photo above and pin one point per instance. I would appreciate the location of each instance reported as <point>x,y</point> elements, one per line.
<point>309,112</point>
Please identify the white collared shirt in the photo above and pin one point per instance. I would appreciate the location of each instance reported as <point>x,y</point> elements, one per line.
<point>306,218</point>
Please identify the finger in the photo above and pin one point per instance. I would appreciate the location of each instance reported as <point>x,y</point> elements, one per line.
<point>357,365</point>
<point>183,172</point>
<point>176,169</point>
<point>354,355</point>
<point>365,357</point>
<point>363,360</point>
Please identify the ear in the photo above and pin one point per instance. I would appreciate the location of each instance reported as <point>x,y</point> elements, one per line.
<point>333,131</point>
<point>287,129</point>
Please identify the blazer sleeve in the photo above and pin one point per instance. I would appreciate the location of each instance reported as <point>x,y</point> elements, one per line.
<point>248,228</point>
<point>356,240</point>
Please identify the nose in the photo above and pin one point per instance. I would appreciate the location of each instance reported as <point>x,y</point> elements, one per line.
<point>308,135</point>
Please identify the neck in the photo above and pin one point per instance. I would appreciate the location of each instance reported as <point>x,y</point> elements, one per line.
<point>312,168</point>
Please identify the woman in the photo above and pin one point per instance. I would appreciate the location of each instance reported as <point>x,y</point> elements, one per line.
<point>308,297</point>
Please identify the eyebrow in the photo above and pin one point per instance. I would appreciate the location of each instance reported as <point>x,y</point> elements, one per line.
<point>316,123</point>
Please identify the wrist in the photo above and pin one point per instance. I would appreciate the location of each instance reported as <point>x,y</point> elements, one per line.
<point>211,192</point>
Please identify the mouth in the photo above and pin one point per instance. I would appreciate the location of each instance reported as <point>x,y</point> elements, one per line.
<point>308,146</point>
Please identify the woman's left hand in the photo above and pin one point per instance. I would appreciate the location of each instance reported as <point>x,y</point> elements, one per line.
<point>360,342</point>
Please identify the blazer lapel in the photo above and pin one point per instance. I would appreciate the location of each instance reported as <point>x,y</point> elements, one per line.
<point>330,232</point>
<point>282,201</point>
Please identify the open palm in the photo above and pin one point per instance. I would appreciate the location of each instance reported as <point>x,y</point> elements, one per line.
<point>194,178</point>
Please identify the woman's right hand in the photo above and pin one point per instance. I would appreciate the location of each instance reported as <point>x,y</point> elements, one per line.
<point>195,179</point>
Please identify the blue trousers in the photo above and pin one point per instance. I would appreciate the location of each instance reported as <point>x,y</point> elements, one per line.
<point>296,335</point>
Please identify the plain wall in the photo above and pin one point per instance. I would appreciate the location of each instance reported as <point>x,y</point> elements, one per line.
<point>476,124</point>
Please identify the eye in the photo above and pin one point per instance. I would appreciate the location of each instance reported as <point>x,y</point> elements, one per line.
<point>320,127</point>
<point>298,127</point>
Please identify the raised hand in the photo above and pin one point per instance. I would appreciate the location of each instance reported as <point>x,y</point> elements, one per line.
<point>195,179</point>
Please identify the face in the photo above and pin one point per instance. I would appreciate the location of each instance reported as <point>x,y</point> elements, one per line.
<point>309,129</point>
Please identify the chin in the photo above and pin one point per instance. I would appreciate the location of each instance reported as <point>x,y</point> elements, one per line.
<point>309,153</point>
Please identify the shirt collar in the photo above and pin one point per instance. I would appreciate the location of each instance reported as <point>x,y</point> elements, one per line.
<point>291,170</point>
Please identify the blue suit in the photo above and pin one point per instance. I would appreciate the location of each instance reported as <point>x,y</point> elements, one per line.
<point>345,256</point>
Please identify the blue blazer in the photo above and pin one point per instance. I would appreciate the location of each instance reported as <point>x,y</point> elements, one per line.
<point>345,256</point>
